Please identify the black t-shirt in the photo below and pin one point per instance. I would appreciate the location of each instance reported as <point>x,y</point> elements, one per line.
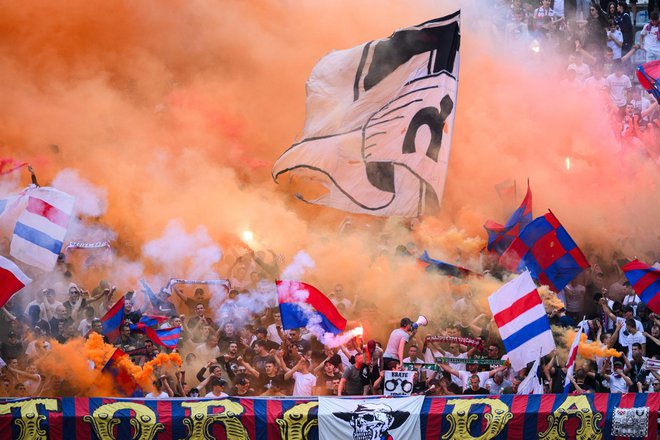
<point>326,383</point>
<point>268,381</point>
<point>479,391</point>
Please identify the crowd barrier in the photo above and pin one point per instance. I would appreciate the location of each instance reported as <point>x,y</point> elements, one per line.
<point>549,416</point>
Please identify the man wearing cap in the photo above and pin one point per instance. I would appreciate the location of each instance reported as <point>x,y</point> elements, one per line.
<point>217,388</point>
<point>262,335</point>
<point>396,343</point>
<point>619,382</point>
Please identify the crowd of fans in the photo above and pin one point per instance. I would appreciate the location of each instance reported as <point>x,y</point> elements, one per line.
<point>229,348</point>
<point>602,43</point>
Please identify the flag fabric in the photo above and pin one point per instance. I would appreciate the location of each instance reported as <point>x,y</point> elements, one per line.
<point>648,75</point>
<point>370,418</point>
<point>113,319</point>
<point>7,165</point>
<point>41,227</point>
<point>166,337</point>
<point>12,279</point>
<point>531,384</point>
<point>547,251</point>
<point>303,305</point>
<point>570,362</point>
<point>521,319</point>
<point>501,236</point>
<point>122,378</point>
<point>444,268</point>
<point>645,281</point>
<point>379,122</point>
<point>152,321</point>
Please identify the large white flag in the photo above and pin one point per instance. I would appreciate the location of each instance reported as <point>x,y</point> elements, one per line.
<point>350,419</point>
<point>379,122</point>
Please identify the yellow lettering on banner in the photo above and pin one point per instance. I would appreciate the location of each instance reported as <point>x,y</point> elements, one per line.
<point>574,406</point>
<point>144,424</point>
<point>295,423</point>
<point>200,420</point>
<point>30,421</point>
<point>460,418</point>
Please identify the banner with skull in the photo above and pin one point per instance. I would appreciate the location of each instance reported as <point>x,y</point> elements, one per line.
<point>370,419</point>
<point>379,122</point>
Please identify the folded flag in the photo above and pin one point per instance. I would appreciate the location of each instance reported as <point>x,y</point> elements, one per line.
<point>570,362</point>
<point>12,279</point>
<point>501,236</point>
<point>547,251</point>
<point>152,320</point>
<point>113,319</point>
<point>444,268</point>
<point>521,319</point>
<point>121,376</point>
<point>303,305</point>
<point>41,227</point>
<point>645,281</point>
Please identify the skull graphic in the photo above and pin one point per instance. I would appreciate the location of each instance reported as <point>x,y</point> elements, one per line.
<point>372,421</point>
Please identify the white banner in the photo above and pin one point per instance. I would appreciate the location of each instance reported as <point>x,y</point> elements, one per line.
<point>370,419</point>
<point>398,383</point>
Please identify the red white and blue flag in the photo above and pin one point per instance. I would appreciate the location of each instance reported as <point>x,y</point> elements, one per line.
<point>520,316</point>
<point>570,362</point>
<point>12,279</point>
<point>40,230</point>
<point>547,251</point>
<point>303,305</point>
<point>501,236</point>
<point>645,281</point>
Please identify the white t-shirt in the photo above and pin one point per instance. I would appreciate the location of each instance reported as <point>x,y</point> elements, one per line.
<point>273,335</point>
<point>582,71</point>
<point>304,384</point>
<point>616,49</point>
<point>217,397</point>
<point>162,395</point>
<point>466,375</point>
<point>628,341</point>
<point>651,38</point>
<point>597,84</point>
<point>618,384</point>
<point>618,86</point>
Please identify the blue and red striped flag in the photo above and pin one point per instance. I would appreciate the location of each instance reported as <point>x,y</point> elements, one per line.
<point>302,304</point>
<point>121,376</point>
<point>545,248</point>
<point>444,268</point>
<point>645,281</point>
<point>501,236</point>
<point>166,337</point>
<point>113,319</point>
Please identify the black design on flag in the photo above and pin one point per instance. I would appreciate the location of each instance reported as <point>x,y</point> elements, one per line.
<point>373,421</point>
<point>379,122</point>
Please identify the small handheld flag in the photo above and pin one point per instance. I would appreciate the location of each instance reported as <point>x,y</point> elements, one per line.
<point>302,304</point>
<point>12,279</point>
<point>501,236</point>
<point>113,319</point>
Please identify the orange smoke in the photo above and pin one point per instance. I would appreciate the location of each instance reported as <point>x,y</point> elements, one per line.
<point>589,349</point>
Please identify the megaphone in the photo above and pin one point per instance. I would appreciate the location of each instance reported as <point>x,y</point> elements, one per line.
<point>420,321</point>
